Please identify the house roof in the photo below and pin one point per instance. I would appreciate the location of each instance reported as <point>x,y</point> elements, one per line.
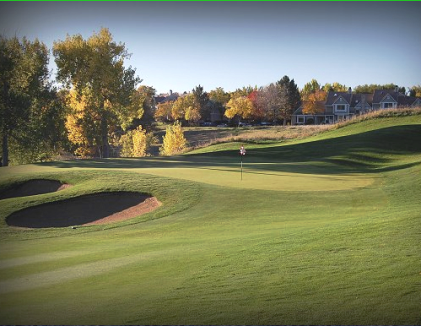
<point>406,100</point>
<point>332,97</point>
<point>380,94</point>
<point>165,98</point>
<point>359,97</point>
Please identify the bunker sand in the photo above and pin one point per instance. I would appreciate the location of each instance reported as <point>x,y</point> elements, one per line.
<point>91,209</point>
<point>34,187</point>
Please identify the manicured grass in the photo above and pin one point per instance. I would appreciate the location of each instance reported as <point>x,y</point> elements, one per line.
<point>321,231</point>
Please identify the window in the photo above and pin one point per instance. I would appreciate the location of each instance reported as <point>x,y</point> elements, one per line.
<point>300,119</point>
<point>340,107</point>
<point>388,105</point>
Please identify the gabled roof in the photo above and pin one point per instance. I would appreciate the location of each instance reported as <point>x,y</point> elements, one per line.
<point>359,97</point>
<point>332,97</point>
<point>407,100</point>
<point>381,94</point>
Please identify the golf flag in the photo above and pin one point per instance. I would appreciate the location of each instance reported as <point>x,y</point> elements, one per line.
<point>242,153</point>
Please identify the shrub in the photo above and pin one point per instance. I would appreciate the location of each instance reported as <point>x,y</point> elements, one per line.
<point>134,143</point>
<point>174,141</point>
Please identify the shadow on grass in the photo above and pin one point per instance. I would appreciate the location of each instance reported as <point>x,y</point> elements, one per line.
<point>369,152</point>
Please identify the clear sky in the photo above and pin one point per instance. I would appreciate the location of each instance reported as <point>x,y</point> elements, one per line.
<point>179,45</point>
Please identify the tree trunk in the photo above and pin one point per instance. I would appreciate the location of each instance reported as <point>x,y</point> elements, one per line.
<point>104,131</point>
<point>5,158</point>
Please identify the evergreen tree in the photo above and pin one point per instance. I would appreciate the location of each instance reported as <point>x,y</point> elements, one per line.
<point>289,97</point>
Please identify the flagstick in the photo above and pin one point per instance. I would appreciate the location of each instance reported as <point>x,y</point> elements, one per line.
<point>242,153</point>
<point>241,167</point>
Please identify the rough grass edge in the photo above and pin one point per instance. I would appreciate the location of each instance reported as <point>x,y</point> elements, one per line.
<point>304,131</point>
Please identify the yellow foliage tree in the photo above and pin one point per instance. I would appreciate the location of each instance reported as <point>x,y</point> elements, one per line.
<point>134,143</point>
<point>139,142</point>
<point>164,111</point>
<point>82,123</point>
<point>174,141</point>
<point>315,103</point>
<point>241,106</point>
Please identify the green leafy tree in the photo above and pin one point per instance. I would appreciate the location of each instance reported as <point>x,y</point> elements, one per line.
<point>174,141</point>
<point>372,87</point>
<point>201,98</point>
<point>24,95</point>
<point>147,94</point>
<point>97,64</point>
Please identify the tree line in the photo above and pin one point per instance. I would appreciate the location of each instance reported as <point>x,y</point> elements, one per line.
<point>97,105</point>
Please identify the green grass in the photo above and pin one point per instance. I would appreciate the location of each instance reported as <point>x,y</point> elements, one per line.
<point>323,230</point>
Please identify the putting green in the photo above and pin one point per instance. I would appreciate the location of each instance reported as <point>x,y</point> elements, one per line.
<point>264,180</point>
<point>230,176</point>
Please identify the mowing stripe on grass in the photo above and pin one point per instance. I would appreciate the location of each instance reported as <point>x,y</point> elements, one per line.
<point>29,282</point>
<point>14,262</point>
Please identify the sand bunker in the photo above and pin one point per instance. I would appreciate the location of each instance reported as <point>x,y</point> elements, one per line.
<point>33,187</point>
<point>85,210</point>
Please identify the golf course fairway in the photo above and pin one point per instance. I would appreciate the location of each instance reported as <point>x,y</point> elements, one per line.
<point>322,230</point>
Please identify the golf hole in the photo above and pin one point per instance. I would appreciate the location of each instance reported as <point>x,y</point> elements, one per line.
<point>91,209</point>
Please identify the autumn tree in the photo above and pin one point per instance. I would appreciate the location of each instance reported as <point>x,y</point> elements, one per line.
<point>315,103</point>
<point>268,99</point>
<point>83,122</point>
<point>258,107</point>
<point>245,91</point>
<point>96,67</point>
<point>239,106</point>
<point>311,87</point>
<point>219,99</point>
<point>164,111</point>
<point>415,91</point>
<point>174,141</point>
<point>135,143</point>
<point>335,87</point>
<point>27,100</point>
<point>185,108</point>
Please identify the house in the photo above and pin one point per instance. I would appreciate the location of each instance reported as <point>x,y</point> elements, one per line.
<point>162,98</point>
<point>341,106</point>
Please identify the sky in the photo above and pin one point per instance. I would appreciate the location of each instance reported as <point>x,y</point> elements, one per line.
<point>179,45</point>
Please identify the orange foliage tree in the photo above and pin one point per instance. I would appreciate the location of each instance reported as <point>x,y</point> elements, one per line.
<point>315,103</point>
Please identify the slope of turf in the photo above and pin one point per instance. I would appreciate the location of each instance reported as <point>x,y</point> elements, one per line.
<point>227,254</point>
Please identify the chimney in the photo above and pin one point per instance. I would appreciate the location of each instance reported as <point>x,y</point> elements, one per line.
<point>397,89</point>
<point>349,90</point>
<point>170,91</point>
